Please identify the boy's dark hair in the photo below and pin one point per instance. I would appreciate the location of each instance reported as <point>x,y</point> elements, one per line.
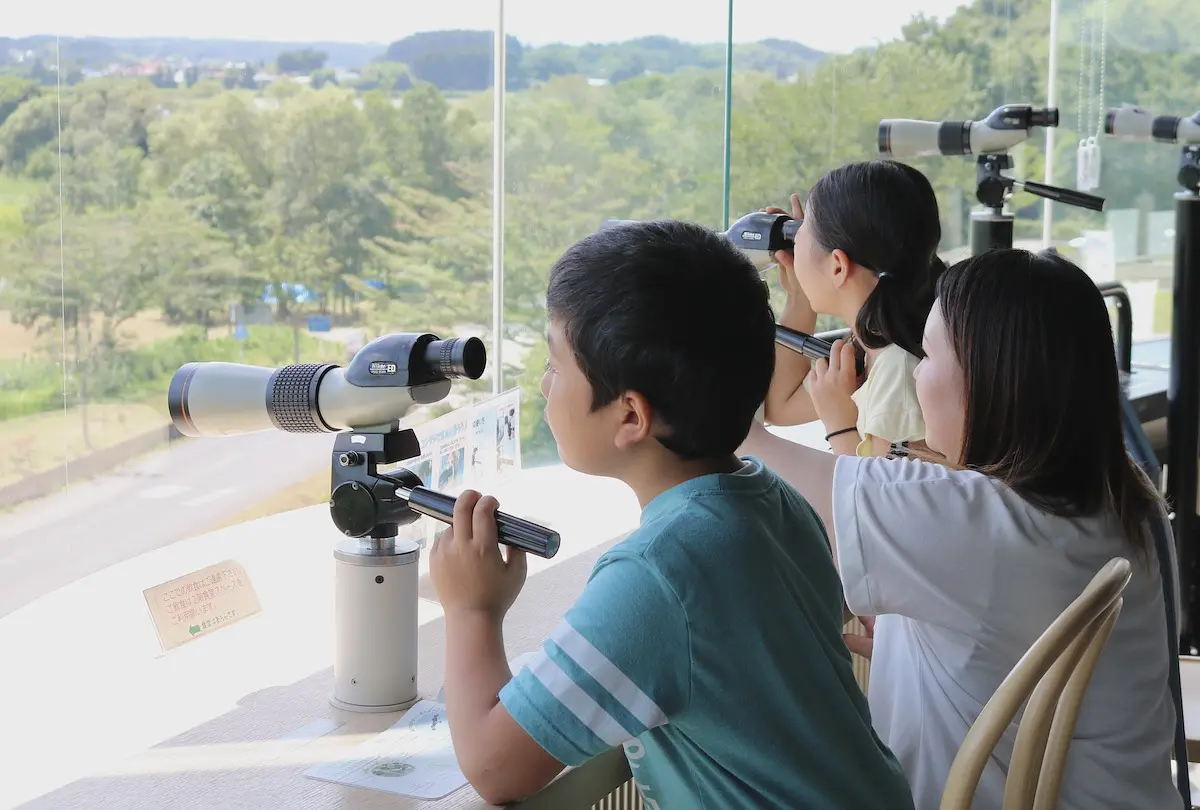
<point>672,311</point>
<point>1043,399</point>
<point>884,216</point>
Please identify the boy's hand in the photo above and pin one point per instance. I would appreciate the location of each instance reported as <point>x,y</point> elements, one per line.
<point>830,383</point>
<point>465,564</point>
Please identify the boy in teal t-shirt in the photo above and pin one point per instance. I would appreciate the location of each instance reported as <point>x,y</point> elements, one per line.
<point>708,643</point>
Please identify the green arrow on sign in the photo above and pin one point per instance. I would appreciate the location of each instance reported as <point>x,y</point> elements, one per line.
<point>194,629</point>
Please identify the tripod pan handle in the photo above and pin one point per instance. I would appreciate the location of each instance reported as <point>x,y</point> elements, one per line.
<point>514,531</point>
<point>1079,199</point>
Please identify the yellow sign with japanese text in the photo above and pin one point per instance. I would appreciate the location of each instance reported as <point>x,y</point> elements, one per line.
<point>201,603</point>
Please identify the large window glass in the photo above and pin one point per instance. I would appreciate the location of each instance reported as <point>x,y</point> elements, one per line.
<point>1112,53</point>
<point>615,111</point>
<point>923,59</point>
<point>250,194</point>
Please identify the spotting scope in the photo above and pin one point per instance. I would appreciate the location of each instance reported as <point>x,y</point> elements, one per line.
<point>364,403</point>
<point>1004,128</point>
<point>385,379</point>
<point>1131,123</point>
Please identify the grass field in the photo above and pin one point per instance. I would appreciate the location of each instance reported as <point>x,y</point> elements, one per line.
<point>34,444</point>
<point>17,342</point>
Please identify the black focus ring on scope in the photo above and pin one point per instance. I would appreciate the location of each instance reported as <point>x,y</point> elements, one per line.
<point>292,398</point>
<point>1165,128</point>
<point>954,138</point>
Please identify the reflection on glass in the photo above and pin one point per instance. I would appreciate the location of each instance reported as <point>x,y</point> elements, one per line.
<point>625,129</point>
<point>1113,53</point>
<point>163,201</point>
<point>790,128</point>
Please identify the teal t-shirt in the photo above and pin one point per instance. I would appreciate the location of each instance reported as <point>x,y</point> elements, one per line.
<point>709,645</point>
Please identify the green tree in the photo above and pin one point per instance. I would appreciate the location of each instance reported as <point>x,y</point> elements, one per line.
<point>301,62</point>
<point>426,114</point>
<point>32,125</point>
<point>87,276</point>
<point>14,91</point>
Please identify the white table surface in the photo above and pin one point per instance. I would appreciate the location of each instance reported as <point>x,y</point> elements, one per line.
<point>96,715</point>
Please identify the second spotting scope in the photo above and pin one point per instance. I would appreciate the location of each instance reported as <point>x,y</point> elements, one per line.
<point>1004,128</point>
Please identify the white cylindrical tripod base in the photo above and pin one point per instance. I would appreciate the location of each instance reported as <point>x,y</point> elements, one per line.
<point>375,627</point>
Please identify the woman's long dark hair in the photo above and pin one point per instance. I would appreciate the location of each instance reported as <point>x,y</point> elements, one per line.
<point>884,216</point>
<point>1043,409</point>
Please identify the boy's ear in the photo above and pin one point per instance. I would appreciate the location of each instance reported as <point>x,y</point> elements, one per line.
<point>636,420</point>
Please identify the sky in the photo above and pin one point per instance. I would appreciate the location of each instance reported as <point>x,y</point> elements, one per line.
<point>831,26</point>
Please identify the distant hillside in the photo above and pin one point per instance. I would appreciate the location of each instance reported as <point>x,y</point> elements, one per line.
<point>96,53</point>
<point>452,60</point>
<point>462,60</point>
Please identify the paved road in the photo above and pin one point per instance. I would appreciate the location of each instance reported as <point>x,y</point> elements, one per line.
<point>156,500</point>
<point>160,499</point>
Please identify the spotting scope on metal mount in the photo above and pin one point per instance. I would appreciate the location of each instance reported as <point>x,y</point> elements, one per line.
<point>376,576</point>
<point>989,140</point>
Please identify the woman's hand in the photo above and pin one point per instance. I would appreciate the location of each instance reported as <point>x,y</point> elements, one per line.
<point>862,645</point>
<point>830,383</point>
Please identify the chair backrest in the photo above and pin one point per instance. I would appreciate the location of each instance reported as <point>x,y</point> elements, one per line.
<point>1052,676</point>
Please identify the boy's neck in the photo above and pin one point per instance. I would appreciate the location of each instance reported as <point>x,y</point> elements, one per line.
<point>658,473</point>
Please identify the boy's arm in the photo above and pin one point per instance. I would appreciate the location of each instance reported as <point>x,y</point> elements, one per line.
<point>497,756</point>
<point>618,665</point>
<point>476,585</point>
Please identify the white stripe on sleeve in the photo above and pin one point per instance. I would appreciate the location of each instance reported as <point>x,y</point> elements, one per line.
<point>559,684</point>
<point>608,675</point>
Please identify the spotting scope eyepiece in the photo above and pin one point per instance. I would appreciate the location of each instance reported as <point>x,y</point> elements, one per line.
<point>387,377</point>
<point>1132,123</point>
<point>758,235</point>
<point>1003,129</point>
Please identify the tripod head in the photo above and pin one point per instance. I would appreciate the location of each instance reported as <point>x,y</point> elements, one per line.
<point>363,403</point>
<point>1131,123</point>
<point>993,189</point>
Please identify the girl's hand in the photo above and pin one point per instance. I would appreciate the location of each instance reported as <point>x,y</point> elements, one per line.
<point>787,262</point>
<point>830,383</point>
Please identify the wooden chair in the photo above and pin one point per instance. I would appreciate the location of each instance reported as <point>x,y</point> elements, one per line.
<point>1053,677</point>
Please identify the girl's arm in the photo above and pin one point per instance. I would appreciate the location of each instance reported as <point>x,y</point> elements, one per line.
<point>787,401</point>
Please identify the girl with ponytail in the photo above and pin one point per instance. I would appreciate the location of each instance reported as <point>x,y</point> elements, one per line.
<point>867,252</point>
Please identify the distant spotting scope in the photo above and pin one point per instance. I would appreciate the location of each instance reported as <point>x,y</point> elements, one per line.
<point>757,234</point>
<point>363,402</point>
<point>1003,129</point>
<point>1132,123</point>
<point>989,141</point>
